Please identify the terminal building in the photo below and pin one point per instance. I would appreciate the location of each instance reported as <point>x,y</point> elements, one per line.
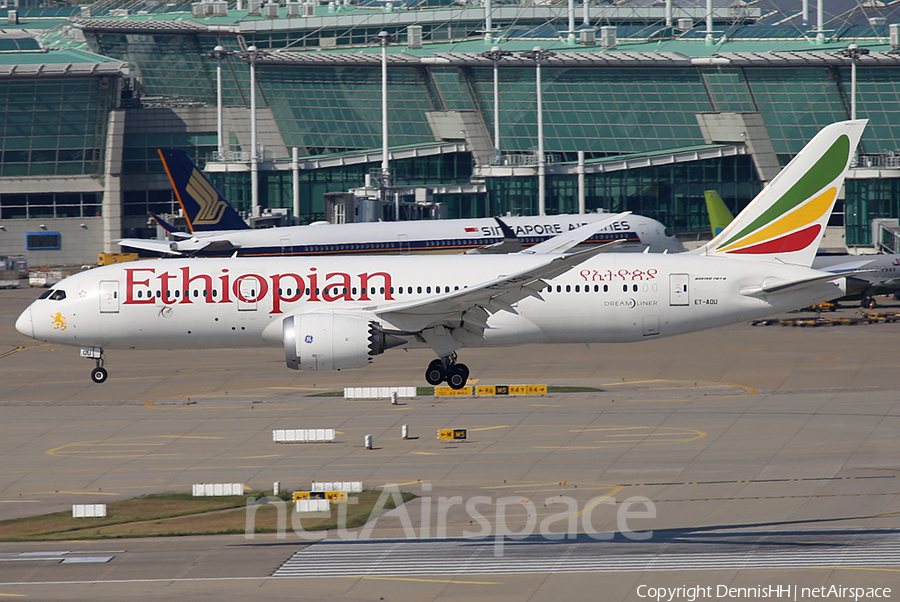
<point>643,108</point>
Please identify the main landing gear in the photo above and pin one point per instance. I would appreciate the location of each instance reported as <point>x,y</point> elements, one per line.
<point>446,369</point>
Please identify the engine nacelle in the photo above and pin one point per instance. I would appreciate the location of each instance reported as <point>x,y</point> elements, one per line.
<point>329,341</point>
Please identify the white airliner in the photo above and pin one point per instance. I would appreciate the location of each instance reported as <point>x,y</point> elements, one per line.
<point>216,229</point>
<point>332,312</point>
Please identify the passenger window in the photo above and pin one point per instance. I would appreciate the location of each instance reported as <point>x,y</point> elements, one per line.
<point>624,288</point>
<point>419,289</point>
<point>568,288</point>
<point>427,289</point>
<point>605,288</point>
<point>558,288</point>
<point>158,294</point>
<point>634,287</point>
<point>577,288</point>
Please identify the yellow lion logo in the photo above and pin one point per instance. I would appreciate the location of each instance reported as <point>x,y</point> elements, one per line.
<point>59,322</point>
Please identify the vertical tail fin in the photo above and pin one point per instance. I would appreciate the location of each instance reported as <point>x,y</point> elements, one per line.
<point>786,221</point>
<point>204,207</point>
<point>719,215</point>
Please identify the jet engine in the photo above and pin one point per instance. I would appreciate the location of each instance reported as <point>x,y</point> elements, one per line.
<point>329,341</point>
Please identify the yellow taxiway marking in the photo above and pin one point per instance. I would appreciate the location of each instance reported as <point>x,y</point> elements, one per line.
<point>299,388</point>
<point>131,441</point>
<point>12,595</point>
<point>83,492</point>
<point>635,382</point>
<point>610,428</point>
<point>523,484</point>
<point>422,580</point>
<point>402,484</point>
<point>490,428</point>
<point>254,457</point>
<point>17,349</point>
<point>425,453</point>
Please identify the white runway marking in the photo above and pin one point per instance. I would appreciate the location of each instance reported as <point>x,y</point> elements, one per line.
<point>459,557</point>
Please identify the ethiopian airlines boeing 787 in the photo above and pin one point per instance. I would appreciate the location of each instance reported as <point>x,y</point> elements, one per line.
<point>338,312</point>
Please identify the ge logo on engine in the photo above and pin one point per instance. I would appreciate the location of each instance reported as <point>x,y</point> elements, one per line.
<point>308,339</point>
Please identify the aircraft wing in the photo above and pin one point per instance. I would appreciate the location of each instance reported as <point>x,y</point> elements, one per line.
<point>451,320</point>
<point>567,240</point>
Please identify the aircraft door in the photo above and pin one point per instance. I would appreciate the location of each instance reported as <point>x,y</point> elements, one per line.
<point>403,243</point>
<point>287,248</point>
<point>249,289</point>
<point>678,289</point>
<point>651,325</point>
<point>109,297</point>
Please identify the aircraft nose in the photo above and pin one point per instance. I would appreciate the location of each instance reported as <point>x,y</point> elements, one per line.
<point>24,323</point>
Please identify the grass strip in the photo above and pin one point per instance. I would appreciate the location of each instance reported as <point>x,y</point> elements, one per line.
<point>172,514</point>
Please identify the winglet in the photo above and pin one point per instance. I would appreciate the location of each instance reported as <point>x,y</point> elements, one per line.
<point>786,221</point>
<point>163,223</point>
<point>510,243</point>
<point>204,207</point>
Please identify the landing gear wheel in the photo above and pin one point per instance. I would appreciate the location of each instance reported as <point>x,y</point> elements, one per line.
<point>457,376</point>
<point>868,303</point>
<point>435,374</point>
<point>99,375</point>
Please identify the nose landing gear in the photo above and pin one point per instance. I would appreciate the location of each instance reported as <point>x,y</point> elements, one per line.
<point>446,369</point>
<point>98,374</point>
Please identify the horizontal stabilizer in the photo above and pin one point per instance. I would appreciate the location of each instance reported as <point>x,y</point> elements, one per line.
<point>157,246</point>
<point>780,287</point>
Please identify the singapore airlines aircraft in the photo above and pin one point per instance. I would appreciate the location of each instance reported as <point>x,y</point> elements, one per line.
<point>330,313</point>
<point>218,231</point>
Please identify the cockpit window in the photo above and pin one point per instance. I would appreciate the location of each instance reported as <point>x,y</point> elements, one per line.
<point>58,295</point>
<point>46,294</point>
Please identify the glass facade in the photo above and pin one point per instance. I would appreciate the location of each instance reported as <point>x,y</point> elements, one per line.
<point>276,187</point>
<point>672,194</point>
<point>46,206</point>
<point>867,200</point>
<point>53,127</point>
